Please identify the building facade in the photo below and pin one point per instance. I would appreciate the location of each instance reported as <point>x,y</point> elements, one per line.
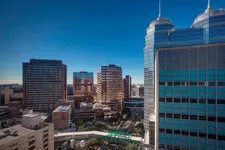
<point>61,116</point>
<point>82,82</point>
<point>185,81</point>
<point>32,134</point>
<point>127,87</point>
<point>137,91</point>
<point>69,89</point>
<point>110,84</point>
<point>44,84</point>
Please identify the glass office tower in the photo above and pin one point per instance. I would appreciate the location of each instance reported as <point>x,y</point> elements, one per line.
<point>185,83</point>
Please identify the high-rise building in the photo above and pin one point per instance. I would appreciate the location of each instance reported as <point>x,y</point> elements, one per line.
<point>44,84</point>
<point>110,84</point>
<point>69,89</point>
<point>137,91</point>
<point>185,83</point>
<point>82,82</point>
<point>127,87</point>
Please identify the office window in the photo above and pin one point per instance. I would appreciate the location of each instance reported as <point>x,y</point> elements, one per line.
<point>193,117</point>
<point>177,59</point>
<point>177,116</point>
<point>220,57</point>
<point>46,145</point>
<point>201,61</point>
<point>169,131</point>
<point>162,99</point>
<point>162,60</point>
<point>46,140</point>
<point>212,119</point>
<point>193,100</point>
<point>221,101</point>
<point>162,130</point>
<point>161,146</point>
<point>46,135</point>
<point>161,83</point>
<point>221,119</point>
<point>193,56</point>
<point>185,116</point>
<point>32,147</point>
<point>193,83</point>
<point>161,115</point>
<point>170,83</point>
<point>202,118</point>
<point>221,137</point>
<point>193,134</point>
<point>31,142</point>
<point>169,60</point>
<point>176,100</point>
<point>185,59</point>
<point>169,116</point>
<point>211,101</point>
<point>169,100</point>
<point>212,136</point>
<point>177,84</point>
<point>185,100</point>
<point>211,83</point>
<point>221,83</point>
<point>201,83</point>
<point>202,101</point>
<point>211,58</point>
<point>185,133</point>
<point>203,135</point>
<point>176,131</point>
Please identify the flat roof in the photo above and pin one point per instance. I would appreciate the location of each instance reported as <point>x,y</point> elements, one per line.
<point>189,46</point>
<point>31,115</point>
<point>21,131</point>
<point>62,108</point>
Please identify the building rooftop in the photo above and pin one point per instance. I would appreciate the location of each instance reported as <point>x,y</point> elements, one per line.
<point>31,115</point>
<point>45,61</point>
<point>209,13</point>
<point>62,108</point>
<point>21,131</point>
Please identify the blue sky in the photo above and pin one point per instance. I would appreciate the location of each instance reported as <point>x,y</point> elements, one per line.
<point>84,34</point>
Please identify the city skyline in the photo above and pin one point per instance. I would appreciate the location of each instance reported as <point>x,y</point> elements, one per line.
<point>64,33</point>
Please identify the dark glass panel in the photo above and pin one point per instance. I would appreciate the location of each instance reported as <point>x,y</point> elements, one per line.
<point>169,60</point>
<point>185,59</point>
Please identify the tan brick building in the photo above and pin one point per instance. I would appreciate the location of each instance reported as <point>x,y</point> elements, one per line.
<point>61,116</point>
<point>110,84</point>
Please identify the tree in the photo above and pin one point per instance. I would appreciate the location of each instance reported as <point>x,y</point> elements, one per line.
<point>131,147</point>
<point>93,141</point>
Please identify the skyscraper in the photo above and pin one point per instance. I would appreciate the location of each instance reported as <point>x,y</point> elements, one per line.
<point>82,82</point>
<point>110,84</point>
<point>44,84</point>
<point>185,78</point>
<point>127,87</point>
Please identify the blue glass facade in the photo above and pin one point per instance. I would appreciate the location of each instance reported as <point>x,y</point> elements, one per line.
<point>192,97</point>
<point>191,82</point>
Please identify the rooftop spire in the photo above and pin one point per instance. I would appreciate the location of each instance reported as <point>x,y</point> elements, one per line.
<point>209,5</point>
<point>159,8</point>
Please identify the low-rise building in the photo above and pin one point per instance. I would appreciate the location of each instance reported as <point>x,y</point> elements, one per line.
<point>30,135</point>
<point>89,111</point>
<point>61,116</point>
<point>115,105</point>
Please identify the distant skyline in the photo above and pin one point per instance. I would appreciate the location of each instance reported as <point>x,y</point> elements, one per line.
<point>84,34</point>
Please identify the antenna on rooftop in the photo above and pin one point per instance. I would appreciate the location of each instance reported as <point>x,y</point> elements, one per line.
<point>209,5</point>
<point>159,8</point>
